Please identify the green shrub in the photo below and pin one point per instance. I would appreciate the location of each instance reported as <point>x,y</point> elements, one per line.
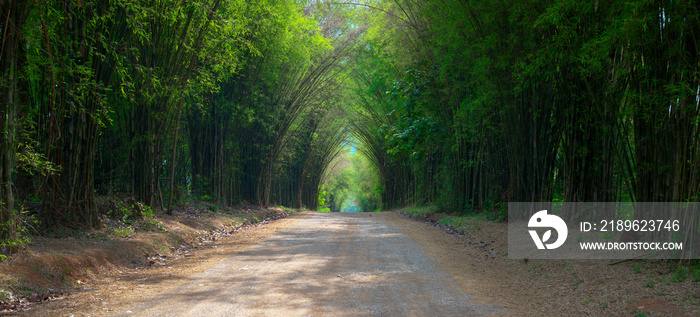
<point>123,232</point>
<point>129,211</point>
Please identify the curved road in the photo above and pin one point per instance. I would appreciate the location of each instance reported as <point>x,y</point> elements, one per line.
<point>327,264</point>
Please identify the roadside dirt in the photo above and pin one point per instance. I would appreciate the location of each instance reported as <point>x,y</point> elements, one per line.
<point>76,275</point>
<point>478,261</point>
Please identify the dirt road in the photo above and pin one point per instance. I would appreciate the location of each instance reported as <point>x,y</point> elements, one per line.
<point>334,264</point>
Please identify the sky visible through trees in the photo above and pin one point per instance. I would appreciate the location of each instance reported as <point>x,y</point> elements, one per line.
<point>461,104</point>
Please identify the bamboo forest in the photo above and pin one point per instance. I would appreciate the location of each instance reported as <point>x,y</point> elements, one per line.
<point>365,105</point>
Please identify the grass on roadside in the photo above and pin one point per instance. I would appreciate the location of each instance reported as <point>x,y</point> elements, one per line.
<point>467,223</point>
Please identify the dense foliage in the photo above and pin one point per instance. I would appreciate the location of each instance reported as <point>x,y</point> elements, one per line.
<point>470,104</point>
<point>464,104</point>
<point>351,184</point>
<point>162,101</point>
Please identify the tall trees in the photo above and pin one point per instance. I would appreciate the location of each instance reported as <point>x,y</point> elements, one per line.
<point>663,64</point>
<point>12,62</point>
<point>84,57</point>
<point>535,101</point>
<point>164,63</point>
<point>161,100</point>
<point>274,103</point>
<point>461,103</point>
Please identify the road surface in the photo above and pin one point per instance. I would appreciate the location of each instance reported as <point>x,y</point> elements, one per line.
<point>327,264</point>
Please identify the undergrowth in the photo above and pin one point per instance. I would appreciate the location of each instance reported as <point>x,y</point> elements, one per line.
<point>470,222</point>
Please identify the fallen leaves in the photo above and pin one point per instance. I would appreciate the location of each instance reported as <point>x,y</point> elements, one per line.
<point>18,303</point>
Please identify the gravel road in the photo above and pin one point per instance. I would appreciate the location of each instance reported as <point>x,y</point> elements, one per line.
<point>327,264</point>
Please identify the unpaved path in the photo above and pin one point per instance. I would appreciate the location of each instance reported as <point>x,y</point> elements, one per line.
<point>333,264</point>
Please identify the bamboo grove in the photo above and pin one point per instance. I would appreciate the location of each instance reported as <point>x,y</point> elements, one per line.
<point>222,100</point>
<point>469,104</point>
<point>459,103</point>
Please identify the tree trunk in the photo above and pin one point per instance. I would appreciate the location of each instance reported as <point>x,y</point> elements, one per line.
<point>13,14</point>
